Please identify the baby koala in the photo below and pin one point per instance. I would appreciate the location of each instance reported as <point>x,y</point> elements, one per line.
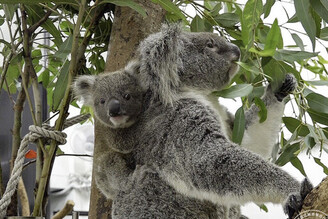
<point>117,100</point>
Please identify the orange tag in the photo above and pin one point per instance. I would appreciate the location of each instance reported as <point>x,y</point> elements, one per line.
<point>31,154</point>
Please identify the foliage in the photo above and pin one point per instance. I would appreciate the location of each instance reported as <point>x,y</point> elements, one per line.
<point>265,56</point>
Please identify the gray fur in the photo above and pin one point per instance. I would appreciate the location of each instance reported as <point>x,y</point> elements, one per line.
<point>188,149</point>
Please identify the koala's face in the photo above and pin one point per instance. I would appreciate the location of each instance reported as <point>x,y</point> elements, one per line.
<point>116,97</point>
<point>208,61</point>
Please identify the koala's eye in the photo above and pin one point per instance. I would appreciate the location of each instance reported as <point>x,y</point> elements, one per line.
<point>210,44</point>
<point>127,96</point>
<point>102,101</point>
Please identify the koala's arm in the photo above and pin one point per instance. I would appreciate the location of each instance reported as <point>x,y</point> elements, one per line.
<point>113,173</point>
<point>207,165</point>
<point>261,137</point>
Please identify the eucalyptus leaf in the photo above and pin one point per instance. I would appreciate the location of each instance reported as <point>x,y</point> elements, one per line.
<point>250,19</point>
<point>288,154</point>
<point>298,165</point>
<point>60,86</point>
<point>272,40</point>
<point>170,7</point>
<point>292,56</point>
<point>267,7</point>
<point>303,11</point>
<point>128,3</point>
<point>239,90</point>
<point>197,24</point>
<point>227,19</point>
<point>263,110</point>
<point>298,41</point>
<point>320,9</point>
<point>238,126</point>
<point>293,125</point>
<point>324,167</point>
<point>318,102</point>
<point>319,117</point>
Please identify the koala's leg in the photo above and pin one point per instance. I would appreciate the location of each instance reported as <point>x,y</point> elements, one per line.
<point>113,173</point>
<point>151,197</point>
<point>261,137</point>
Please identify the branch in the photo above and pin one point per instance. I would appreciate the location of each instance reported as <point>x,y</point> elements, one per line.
<point>49,159</point>
<point>23,198</point>
<point>65,211</point>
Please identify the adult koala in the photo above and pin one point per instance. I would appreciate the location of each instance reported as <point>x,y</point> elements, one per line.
<point>195,156</point>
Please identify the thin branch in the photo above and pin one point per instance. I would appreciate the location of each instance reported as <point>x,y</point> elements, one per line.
<point>48,160</point>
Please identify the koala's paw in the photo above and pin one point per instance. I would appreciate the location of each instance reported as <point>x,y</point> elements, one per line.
<point>289,85</point>
<point>295,200</point>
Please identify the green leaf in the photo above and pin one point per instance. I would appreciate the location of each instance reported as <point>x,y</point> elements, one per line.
<point>303,11</point>
<point>288,154</point>
<point>128,3</point>
<point>293,125</point>
<point>292,56</point>
<point>318,102</point>
<point>197,24</point>
<point>298,41</point>
<point>35,13</point>
<point>239,90</point>
<point>318,83</point>
<point>263,207</point>
<point>298,165</point>
<point>321,118</point>
<point>324,167</point>
<point>64,49</point>
<point>324,33</point>
<point>320,9</point>
<point>60,86</point>
<point>263,110</point>
<point>272,40</point>
<point>267,7</point>
<point>250,18</point>
<point>170,7</point>
<point>238,126</point>
<point>250,68</point>
<point>227,19</point>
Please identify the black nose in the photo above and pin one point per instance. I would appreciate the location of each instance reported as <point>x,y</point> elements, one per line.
<point>235,53</point>
<point>114,107</point>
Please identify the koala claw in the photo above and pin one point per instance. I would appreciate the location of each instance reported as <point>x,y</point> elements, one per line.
<point>295,201</point>
<point>287,87</point>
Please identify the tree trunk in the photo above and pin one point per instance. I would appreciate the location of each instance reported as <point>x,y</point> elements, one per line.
<point>317,199</point>
<point>129,28</point>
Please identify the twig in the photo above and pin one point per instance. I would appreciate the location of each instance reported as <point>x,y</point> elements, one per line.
<point>65,211</point>
<point>22,194</point>
<point>48,160</point>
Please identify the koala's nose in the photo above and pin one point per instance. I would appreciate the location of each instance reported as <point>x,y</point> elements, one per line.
<point>114,107</point>
<point>235,53</point>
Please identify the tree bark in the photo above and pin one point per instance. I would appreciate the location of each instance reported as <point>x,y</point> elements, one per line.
<point>129,28</point>
<point>317,199</point>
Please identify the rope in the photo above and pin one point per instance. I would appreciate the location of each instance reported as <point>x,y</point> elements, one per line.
<point>35,133</point>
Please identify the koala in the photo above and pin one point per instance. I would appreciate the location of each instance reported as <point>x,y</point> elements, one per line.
<point>117,100</point>
<point>190,151</point>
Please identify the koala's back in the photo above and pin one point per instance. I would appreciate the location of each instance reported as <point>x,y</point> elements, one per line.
<point>151,197</point>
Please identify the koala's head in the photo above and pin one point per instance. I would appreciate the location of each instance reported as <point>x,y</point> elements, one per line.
<point>208,61</point>
<point>172,59</point>
<point>117,98</point>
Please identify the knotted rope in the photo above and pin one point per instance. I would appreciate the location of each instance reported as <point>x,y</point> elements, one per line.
<point>36,132</point>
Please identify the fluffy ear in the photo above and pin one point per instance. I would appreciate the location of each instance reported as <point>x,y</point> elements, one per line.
<point>160,62</point>
<point>133,67</point>
<point>82,88</point>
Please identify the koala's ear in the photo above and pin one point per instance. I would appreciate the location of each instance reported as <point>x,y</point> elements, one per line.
<point>133,67</point>
<point>82,88</point>
<point>159,57</point>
